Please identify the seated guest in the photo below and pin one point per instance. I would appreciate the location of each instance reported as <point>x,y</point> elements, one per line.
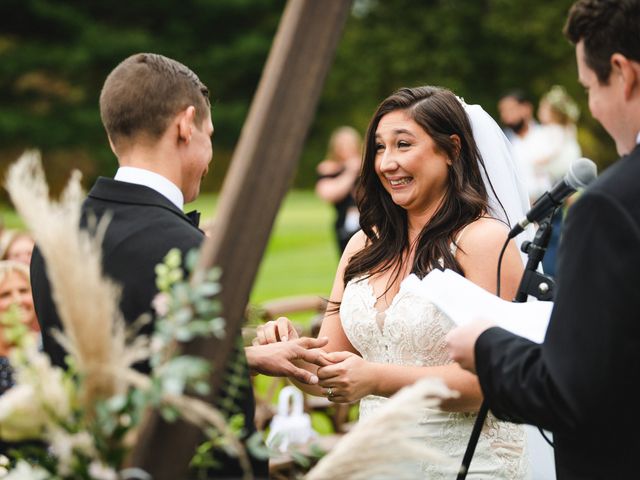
<point>17,246</point>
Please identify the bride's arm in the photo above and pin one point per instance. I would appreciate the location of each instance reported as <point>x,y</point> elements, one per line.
<point>352,378</point>
<point>331,327</point>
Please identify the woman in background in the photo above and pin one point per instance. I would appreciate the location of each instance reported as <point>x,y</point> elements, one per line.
<point>557,148</point>
<point>337,176</point>
<point>16,246</point>
<point>15,292</point>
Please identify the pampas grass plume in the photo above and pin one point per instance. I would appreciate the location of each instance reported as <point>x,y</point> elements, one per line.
<point>86,301</point>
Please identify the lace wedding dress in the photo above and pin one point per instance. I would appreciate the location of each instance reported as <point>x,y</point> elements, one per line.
<point>411,332</point>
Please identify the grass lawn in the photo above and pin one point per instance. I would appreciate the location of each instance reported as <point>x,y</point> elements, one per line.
<point>301,257</point>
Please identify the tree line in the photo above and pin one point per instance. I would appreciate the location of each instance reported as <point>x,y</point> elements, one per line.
<point>55,54</point>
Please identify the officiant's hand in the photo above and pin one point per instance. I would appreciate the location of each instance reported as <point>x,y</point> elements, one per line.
<point>461,342</point>
<point>277,359</point>
<point>347,378</point>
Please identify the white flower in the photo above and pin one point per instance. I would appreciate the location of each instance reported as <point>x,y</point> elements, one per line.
<point>24,471</point>
<point>40,399</point>
<point>63,444</point>
<point>99,471</point>
<point>52,390</point>
<point>21,416</point>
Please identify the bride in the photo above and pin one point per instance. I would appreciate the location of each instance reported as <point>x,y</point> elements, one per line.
<point>425,202</point>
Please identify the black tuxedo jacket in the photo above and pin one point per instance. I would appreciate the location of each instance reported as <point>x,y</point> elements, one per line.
<point>580,382</point>
<point>143,228</point>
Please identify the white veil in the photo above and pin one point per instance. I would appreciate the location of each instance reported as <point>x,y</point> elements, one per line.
<point>506,181</point>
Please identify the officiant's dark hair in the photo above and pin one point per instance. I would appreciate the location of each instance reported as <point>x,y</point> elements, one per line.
<point>439,112</point>
<point>606,27</point>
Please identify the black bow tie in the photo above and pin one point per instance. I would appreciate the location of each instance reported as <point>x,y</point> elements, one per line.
<point>194,217</point>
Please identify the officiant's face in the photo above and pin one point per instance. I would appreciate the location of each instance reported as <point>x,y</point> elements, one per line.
<point>607,103</point>
<point>408,163</point>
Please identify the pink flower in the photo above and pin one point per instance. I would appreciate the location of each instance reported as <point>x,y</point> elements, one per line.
<point>160,303</point>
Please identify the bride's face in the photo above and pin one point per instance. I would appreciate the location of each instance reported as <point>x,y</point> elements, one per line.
<point>409,165</point>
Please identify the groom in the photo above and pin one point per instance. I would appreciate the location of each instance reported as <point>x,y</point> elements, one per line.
<point>157,116</point>
<point>579,382</point>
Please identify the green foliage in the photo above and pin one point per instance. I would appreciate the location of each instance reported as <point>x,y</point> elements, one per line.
<point>477,48</point>
<point>13,329</point>
<point>54,56</point>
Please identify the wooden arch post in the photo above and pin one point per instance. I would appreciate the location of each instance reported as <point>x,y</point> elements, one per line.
<point>260,174</point>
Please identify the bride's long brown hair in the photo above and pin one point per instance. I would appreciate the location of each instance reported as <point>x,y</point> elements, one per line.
<point>440,114</point>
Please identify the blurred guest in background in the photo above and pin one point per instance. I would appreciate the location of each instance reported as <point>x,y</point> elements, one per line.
<point>557,146</point>
<point>558,114</point>
<point>516,115</point>
<point>337,175</point>
<point>17,246</point>
<point>15,290</point>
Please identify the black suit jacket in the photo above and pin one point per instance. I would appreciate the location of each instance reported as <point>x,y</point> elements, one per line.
<point>581,382</point>
<point>143,228</point>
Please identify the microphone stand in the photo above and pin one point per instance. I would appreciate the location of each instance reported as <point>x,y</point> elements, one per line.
<point>532,283</point>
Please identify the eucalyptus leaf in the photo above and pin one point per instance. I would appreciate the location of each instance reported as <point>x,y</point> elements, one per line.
<point>116,403</point>
<point>300,459</point>
<point>191,259</point>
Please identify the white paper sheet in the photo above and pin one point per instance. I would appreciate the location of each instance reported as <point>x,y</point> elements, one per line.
<point>464,301</point>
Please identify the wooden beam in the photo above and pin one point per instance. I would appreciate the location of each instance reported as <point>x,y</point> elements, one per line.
<point>260,174</point>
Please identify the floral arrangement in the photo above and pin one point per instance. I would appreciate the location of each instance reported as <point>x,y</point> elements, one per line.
<point>81,422</point>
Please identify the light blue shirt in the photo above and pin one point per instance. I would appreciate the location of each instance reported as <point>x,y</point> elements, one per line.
<point>153,180</point>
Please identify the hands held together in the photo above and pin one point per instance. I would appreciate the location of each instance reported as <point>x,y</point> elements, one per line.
<point>343,377</point>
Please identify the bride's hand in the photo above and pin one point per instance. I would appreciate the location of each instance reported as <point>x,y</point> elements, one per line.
<point>280,330</point>
<point>349,378</point>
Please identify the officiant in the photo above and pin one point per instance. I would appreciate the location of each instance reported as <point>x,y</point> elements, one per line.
<point>579,382</point>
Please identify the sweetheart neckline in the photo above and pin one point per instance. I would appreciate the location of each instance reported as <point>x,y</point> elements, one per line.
<point>372,295</point>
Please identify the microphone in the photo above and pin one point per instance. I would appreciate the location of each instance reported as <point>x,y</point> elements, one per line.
<point>580,174</point>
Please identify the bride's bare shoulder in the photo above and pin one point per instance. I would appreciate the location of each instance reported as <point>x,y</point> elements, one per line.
<point>357,242</point>
<point>483,231</point>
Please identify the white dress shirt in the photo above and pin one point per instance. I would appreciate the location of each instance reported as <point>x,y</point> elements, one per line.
<point>153,180</point>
